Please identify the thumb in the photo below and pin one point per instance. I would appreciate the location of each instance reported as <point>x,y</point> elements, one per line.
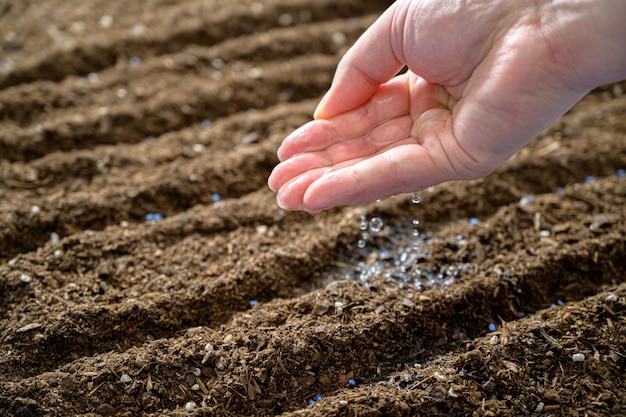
<point>369,63</point>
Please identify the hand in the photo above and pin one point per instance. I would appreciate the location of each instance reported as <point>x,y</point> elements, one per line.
<point>483,79</point>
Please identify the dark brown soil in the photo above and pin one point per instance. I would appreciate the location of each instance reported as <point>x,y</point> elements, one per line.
<point>114,114</point>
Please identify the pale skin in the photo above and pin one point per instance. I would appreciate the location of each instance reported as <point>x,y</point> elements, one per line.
<point>484,78</point>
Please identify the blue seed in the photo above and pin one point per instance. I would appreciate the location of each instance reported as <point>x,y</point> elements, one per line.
<point>621,173</point>
<point>155,217</point>
<point>135,61</point>
<point>473,221</point>
<point>492,327</point>
<point>560,190</point>
<point>560,302</point>
<point>590,179</point>
<point>216,197</point>
<point>352,382</point>
<point>310,402</point>
<point>206,123</point>
<point>288,93</point>
<point>318,397</point>
<point>253,303</point>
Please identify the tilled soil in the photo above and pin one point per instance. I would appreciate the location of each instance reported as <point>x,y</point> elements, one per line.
<point>145,268</point>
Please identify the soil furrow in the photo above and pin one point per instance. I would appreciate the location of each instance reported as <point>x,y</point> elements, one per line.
<point>174,107</point>
<point>92,54</point>
<point>27,103</point>
<point>415,321</point>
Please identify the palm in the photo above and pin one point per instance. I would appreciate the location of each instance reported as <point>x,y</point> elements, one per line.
<point>364,154</point>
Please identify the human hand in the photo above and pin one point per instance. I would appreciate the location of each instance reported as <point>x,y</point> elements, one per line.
<point>484,79</point>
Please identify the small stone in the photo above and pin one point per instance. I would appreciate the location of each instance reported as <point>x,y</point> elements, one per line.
<point>611,298</point>
<point>494,340</point>
<point>196,372</point>
<point>125,378</point>
<point>35,209</point>
<point>26,279</point>
<point>190,406</point>
<point>578,357</point>
<point>195,387</point>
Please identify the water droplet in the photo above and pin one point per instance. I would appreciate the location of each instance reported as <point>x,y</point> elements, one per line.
<point>376,224</point>
<point>416,222</point>
<point>415,198</point>
<point>361,243</point>
<point>363,225</point>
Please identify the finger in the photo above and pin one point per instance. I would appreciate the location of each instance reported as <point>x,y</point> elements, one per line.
<point>400,169</point>
<point>378,138</point>
<point>369,63</point>
<point>390,101</point>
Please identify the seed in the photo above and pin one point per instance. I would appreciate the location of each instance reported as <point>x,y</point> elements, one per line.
<point>590,179</point>
<point>190,406</point>
<point>621,173</point>
<point>611,297</point>
<point>578,357</point>
<point>125,378</point>
<point>376,225</point>
<point>134,61</point>
<point>473,221</point>
<point>35,209</point>
<point>106,21</point>
<point>492,327</point>
<point>206,123</point>
<point>352,382</point>
<point>26,279</point>
<point>215,198</point>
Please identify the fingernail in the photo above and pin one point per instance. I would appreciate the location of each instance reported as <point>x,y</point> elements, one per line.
<point>280,202</point>
<point>320,107</point>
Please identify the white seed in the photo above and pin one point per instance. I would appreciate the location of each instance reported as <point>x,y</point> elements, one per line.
<point>26,279</point>
<point>339,38</point>
<point>106,21</point>
<point>578,357</point>
<point>195,387</point>
<point>35,209</point>
<point>54,238</point>
<point>125,378</point>
<point>611,298</point>
<point>190,406</point>
<point>196,372</point>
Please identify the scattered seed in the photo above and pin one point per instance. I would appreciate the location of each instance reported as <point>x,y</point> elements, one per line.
<point>578,357</point>
<point>190,406</point>
<point>611,298</point>
<point>125,378</point>
<point>106,21</point>
<point>26,279</point>
<point>492,327</point>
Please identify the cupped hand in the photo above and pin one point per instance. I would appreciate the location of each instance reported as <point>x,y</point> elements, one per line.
<point>483,79</point>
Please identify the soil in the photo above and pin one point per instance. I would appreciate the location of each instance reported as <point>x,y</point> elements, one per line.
<point>145,268</point>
